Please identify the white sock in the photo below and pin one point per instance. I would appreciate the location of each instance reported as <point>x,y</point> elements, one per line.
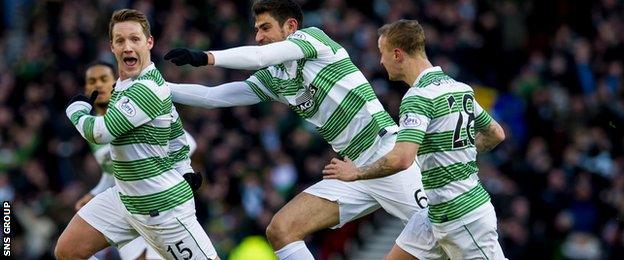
<point>294,251</point>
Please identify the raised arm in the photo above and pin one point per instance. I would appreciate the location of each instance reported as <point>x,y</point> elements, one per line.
<point>137,106</point>
<point>246,57</point>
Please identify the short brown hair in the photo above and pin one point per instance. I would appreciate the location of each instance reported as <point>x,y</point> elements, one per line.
<point>281,10</point>
<point>407,35</point>
<point>124,15</point>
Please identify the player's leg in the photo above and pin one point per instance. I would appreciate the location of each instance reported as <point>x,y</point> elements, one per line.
<point>97,225</point>
<point>178,236</point>
<point>475,240</point>
<point>397,253</point>
<point>138,249</point>
<point>79,240</point>
<point>328,203</point>
<point>300,217</point>
<point>417,241</point>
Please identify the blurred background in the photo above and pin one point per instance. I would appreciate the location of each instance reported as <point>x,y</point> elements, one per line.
<point>551,72</point>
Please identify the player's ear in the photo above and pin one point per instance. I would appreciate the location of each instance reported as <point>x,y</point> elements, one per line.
<point>398,55</point>
<point>292,25</point>
<point>150,42</point>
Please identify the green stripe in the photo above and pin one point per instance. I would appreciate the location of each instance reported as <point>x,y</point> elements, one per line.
<point>75,117</point>
<point>146,99</point>
<point>306,47</point>
<point>153,75</point>
<point>198,246</point>
<point>267,80</point>
<point>483,120</point>
<point>437,107</point>
<point>348,108</point>
<point>176,129</point>
<point>475,241</point>
<point>264,97</point>
<point>431,78</point>
<point>160,201</point>
<point>116,123</point>
<point>366,137</point>
<point>141,169</point>
<point>443,142</point>
<point>458,206</point>
<point>319,35</point>
<point>411,135</point>
<point>180,155</point>
<point>439,176</point>
<point>144,134</point>
<point>87,128</point>
<point>324,81</point>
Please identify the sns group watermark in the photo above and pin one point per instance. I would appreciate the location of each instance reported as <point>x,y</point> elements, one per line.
<point>6,230</point>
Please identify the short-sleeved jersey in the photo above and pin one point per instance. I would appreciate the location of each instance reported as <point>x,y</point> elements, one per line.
<point>328,90</point>
<point>442,115</point>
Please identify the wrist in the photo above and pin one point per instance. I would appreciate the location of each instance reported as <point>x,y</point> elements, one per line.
<point>210,57</point>
<point>77,106</point>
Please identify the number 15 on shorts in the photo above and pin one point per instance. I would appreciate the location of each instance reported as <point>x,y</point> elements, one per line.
<point>180,251</point>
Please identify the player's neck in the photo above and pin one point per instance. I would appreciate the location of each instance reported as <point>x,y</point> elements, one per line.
<point>414,67</point>
<point>100,110</point>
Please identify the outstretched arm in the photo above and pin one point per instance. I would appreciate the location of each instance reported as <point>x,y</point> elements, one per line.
<point>246,57</point>
<point>231,94</point>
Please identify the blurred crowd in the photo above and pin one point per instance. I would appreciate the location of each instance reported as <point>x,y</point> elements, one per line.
<point>550,71</point>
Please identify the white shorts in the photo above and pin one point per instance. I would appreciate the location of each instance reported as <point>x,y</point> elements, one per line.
<point>135,248</point>
<point>477,239</point>
<point>418,240</point>
<point>394,193</point>
<point>178,236</point>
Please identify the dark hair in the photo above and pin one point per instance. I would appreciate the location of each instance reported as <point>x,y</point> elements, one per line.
<point>407,35</point>
<point>124,15</point>
<point>101,63</point>
<point>281,10</point>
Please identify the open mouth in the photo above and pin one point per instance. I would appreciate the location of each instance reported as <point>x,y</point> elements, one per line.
<point>130,61</point>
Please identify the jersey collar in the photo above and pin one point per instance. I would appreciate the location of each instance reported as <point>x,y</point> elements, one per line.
<point>425,72</point>
<point>124,84</point>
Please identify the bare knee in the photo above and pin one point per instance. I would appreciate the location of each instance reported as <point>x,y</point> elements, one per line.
<point>280,232</point>
<point>65,250</point>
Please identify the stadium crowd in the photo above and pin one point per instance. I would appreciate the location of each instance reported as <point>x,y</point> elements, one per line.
<point>550,71</point>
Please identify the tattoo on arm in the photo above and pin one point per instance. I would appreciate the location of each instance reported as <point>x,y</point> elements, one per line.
<point>488,137</point>
<point>380,168</point>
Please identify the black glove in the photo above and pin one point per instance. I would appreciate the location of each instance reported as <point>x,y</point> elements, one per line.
<point>81,97</point>
<point>181,56</point>
<point>194,180</point>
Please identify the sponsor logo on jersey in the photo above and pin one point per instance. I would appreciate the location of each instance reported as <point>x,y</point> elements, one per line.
<point>126,107</point>
<point>298,35</point>
<point>410,120</point>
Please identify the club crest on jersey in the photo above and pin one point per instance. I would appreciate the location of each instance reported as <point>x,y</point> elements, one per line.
<point>126,107</point>
<point>306,99</point>
<point>410,120</point>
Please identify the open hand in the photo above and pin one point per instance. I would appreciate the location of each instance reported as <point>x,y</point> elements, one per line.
<point>341,170</point>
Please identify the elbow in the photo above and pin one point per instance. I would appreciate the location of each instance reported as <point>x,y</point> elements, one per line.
<point>500,134</point>
<point>403,163</point>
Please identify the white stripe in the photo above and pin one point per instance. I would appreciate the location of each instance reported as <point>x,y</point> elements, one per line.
<point>437,159</point>
<point>133,152</point>
<point>335,96</point>
<point>452,190</point>
<point>154,184</point>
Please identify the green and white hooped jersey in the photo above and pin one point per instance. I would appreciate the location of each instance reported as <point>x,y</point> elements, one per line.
<point>138,125</point>
<point>328,90</point>
<point>442,116</point>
